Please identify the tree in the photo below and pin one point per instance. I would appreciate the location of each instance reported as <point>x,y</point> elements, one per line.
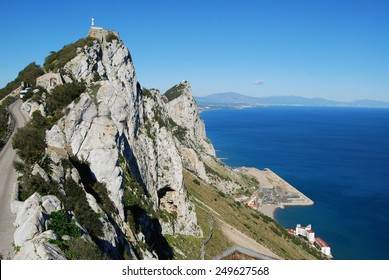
<point>29,141</point>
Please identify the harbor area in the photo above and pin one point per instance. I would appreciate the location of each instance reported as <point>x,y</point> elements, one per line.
<point>273,192</point>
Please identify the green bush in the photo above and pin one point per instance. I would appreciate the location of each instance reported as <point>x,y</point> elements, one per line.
<point>62,224</point>
<point>32,184</point>
<point>110,37</point>
<point>27,75</point>
<point>29,141</point>
<point>79,249</point>
<point>75,200</point>
<point>180,133</point>
<point>62,95</point>
<point>57,60</point>
<point>174,92</point>
<point>103,199</point>
<point>4,116</point>
<point>197,182</point>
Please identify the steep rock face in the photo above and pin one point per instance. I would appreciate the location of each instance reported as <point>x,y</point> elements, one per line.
<point>182,108</point>
<point>197,152</point>
<point>161,167</point>
<point>110,121</point>
<point>192,141</point>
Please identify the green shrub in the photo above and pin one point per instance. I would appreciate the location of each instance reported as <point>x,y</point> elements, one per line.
<point>32,184</point>
<point>197,182</point>
<point>103,199</point>
<point>146,93</point>
<point>29,141</point>
<point>174,92</point>
<point>62,95</point>
<point>57,60</point>
<point>110,37</point>
<point>75,200</point>
<point>27,75</point>
<point>79,249</point>
<point>4,116</point>
<point>256,216</point>
<point>62,224</point>
<point>220,193</point>
<point>180,133</point>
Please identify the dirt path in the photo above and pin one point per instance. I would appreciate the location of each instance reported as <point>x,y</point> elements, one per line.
<point>8,178</point>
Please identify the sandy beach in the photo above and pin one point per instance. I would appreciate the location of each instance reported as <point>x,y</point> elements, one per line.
<point>269,210</point>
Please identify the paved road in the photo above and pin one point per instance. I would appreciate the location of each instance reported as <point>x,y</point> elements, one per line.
<point>8,178</point>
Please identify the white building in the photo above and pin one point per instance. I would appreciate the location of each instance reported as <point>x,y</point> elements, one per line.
<point>307,232</point>
<point>324,247</point>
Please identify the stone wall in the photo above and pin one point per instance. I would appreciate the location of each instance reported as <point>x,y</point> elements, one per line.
<point>49,81</point>
<point>100,33</point>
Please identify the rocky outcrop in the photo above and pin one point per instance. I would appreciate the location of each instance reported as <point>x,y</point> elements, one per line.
<point>194,146</point>
<point>182,108</point>
<point>32,218</point>
<point>116,119</point>
<point>30,107</point>
<point>119,130</point>
<point>40,248</point>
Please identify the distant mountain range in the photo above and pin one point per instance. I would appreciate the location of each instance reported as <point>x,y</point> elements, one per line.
<point>237,100</point>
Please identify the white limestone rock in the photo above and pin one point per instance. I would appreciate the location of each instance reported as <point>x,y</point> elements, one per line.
<point>98,129</point>
<point>38,170</point>
<point>182,108</point>
<point>39,248</point>
<point>32,216</point>
<point>31,107</point>
<point>161,168</point>
<point>51,203</point>
<point>78,121</point>
<point>192,162</point>
<point>55,137</point>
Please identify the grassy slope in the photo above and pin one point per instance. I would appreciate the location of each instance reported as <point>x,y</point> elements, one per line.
<point>260,228</point>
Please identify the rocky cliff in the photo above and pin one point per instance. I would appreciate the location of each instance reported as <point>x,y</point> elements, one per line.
<point>118,171</point>
<point>116,133</point>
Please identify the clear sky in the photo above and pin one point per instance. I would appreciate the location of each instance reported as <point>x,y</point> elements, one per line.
<point>336,49</point>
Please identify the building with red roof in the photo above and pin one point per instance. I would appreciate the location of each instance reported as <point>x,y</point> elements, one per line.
<point>324,247</point>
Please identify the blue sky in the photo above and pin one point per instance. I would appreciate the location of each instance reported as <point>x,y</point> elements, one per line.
<point>332,49</point>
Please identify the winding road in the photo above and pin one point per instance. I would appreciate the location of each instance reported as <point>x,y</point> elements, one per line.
<point>8,177</point>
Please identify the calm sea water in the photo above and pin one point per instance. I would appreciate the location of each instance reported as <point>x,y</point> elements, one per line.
<point>339,157</point>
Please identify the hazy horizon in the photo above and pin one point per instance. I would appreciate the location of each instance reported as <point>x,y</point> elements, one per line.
<point>270,96</point>
<point>335,50</point>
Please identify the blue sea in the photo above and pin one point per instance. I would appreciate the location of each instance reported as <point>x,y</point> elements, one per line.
<point>338,157</point>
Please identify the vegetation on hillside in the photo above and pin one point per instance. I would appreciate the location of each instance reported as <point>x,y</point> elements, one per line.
<point>29,141</point>
<point>259,227</point>
<point>28,75</point>
<point>174,92</point>
<point>75,248</point>
<point>4,116</point>
<point>110,37</point>
<point>5,119</point>
<point>57,60</point>
<point>61,96</point>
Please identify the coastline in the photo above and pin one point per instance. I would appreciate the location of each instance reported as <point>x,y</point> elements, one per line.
<point>278,191</point>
